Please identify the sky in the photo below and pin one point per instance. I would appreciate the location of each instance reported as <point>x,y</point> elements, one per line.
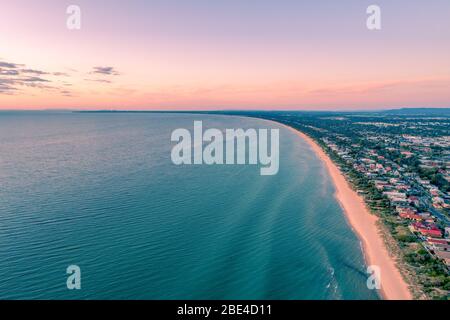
<point>224,54</point>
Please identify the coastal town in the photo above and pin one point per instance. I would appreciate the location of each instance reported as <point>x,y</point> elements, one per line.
<point>422,204</point>
<point>400,164</point>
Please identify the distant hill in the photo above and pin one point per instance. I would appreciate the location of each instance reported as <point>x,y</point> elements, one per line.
<point>420,111</point>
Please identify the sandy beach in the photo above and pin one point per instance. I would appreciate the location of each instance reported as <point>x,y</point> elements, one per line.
<point>393,286</point>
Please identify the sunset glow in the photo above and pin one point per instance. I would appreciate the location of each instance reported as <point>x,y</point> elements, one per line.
<point>224,55</point>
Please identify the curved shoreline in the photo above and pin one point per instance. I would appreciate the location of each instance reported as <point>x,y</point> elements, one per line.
<point>364,224</point>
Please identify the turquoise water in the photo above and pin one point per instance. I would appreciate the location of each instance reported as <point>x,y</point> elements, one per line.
<point>100,191</point>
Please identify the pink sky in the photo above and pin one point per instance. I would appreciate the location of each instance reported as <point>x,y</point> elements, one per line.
<point>198,54</point>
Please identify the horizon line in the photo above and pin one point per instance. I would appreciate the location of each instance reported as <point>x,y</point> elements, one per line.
<point>218,110</point>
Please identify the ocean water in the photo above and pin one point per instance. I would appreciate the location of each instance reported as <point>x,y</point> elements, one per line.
<point>100,191</point>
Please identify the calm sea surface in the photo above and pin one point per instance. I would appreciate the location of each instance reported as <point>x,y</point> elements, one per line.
<point>100,191</point>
